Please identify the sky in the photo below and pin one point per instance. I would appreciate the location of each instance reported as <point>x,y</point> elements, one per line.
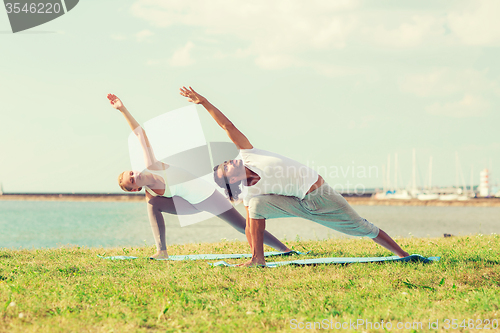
<point>336,85</point>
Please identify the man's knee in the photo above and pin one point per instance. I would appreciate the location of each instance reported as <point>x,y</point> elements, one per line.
<point>257,206</point>
<point>260,223</point>
<point>261,200</point>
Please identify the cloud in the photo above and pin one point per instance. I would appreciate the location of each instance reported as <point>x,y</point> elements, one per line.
<point>411,32</point>
<point>477,23</point>
<point>182,56</point>
<point>332,70</point>
<point>362,123</point>
<point>463,23</point>
<point>141,36</point>
<point>440,82</point>
<point>271,31</point>
<point>275,61</point>
<point>453,92</point>
<point>490,147</point>
<point>118,37</point>
<point>154,62</point>
<point>468,106</point>
<point>283,34</point>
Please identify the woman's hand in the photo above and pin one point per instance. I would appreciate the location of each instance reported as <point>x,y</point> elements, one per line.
<point>115,102</point>
<point>192,95</point>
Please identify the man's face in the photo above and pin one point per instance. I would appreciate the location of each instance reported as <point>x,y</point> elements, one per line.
<point>231,170</point>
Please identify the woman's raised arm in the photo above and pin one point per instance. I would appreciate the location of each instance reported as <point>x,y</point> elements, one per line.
<point>149,156</point>
<point>234,134</point>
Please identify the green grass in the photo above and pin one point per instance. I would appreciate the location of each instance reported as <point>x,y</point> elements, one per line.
<point>71,290</point>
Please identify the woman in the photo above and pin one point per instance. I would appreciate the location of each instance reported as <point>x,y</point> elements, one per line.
<point>179,198</point>
<point>277,186</point>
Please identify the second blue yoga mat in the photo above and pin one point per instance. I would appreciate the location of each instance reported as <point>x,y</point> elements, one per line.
<point>303,262</point>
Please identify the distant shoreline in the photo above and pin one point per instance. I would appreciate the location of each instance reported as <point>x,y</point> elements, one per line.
<point>353,200</point>
<point>72,197</point>
<point>480,202</point>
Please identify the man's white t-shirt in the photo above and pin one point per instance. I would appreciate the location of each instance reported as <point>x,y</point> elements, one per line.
<point>278,175</point>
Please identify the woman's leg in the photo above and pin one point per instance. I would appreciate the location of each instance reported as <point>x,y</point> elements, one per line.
<point>218,205</point>
<point>386,241</point>
<point>157,205</point>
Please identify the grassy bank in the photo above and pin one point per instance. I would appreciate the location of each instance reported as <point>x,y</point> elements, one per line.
<point>70,289</point>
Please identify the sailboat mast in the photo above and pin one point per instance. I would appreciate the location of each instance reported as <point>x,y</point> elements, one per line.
<point>396,171</point>
<point>414,172</point>
<point>384,183</point>
<point>430,172</point>
<point>472,181</point>
<point>389,172</point>
<point>464,187</point>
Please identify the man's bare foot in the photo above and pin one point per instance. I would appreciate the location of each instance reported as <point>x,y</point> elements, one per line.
<point>243,264</point>
<point>254,262</point>
<point>160,255</point>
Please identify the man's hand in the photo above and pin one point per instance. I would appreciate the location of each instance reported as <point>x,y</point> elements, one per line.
<point>192,95</point>
<point>234,134</point>
<point>115,102</point>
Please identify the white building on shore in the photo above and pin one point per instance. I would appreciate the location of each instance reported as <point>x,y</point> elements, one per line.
<point>484,183</point>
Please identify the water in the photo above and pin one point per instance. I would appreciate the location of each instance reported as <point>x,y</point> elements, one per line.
<point>50,224</point>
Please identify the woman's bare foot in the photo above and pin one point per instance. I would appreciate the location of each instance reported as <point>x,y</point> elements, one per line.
<point>253,263</point>
<point>404,254</point>
<point>160,255</point>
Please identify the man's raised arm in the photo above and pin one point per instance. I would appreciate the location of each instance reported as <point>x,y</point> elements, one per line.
<point>233,133</point>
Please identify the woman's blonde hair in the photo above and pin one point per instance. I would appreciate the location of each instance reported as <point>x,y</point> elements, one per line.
<point>123,187</point>
<point>120,180</point>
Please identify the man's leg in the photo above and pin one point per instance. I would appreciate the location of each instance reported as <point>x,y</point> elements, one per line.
<point>249,235</point>
<point>255,238</point>
<point>326,207</point>
<point>259,209</point>
<point>330,209</point>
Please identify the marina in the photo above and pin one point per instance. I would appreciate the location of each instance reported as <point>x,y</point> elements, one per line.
<point>428,192</point>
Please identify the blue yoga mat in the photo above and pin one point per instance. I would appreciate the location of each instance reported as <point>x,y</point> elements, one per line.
<point>209,256</point>
<point>229,256</point>
<point>304,262</point>
<point>118,257</point>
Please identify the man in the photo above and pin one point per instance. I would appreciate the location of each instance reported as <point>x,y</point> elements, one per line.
<point>276,186</point>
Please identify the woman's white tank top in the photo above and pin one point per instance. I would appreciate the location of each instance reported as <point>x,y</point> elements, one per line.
<point>183,184</point>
